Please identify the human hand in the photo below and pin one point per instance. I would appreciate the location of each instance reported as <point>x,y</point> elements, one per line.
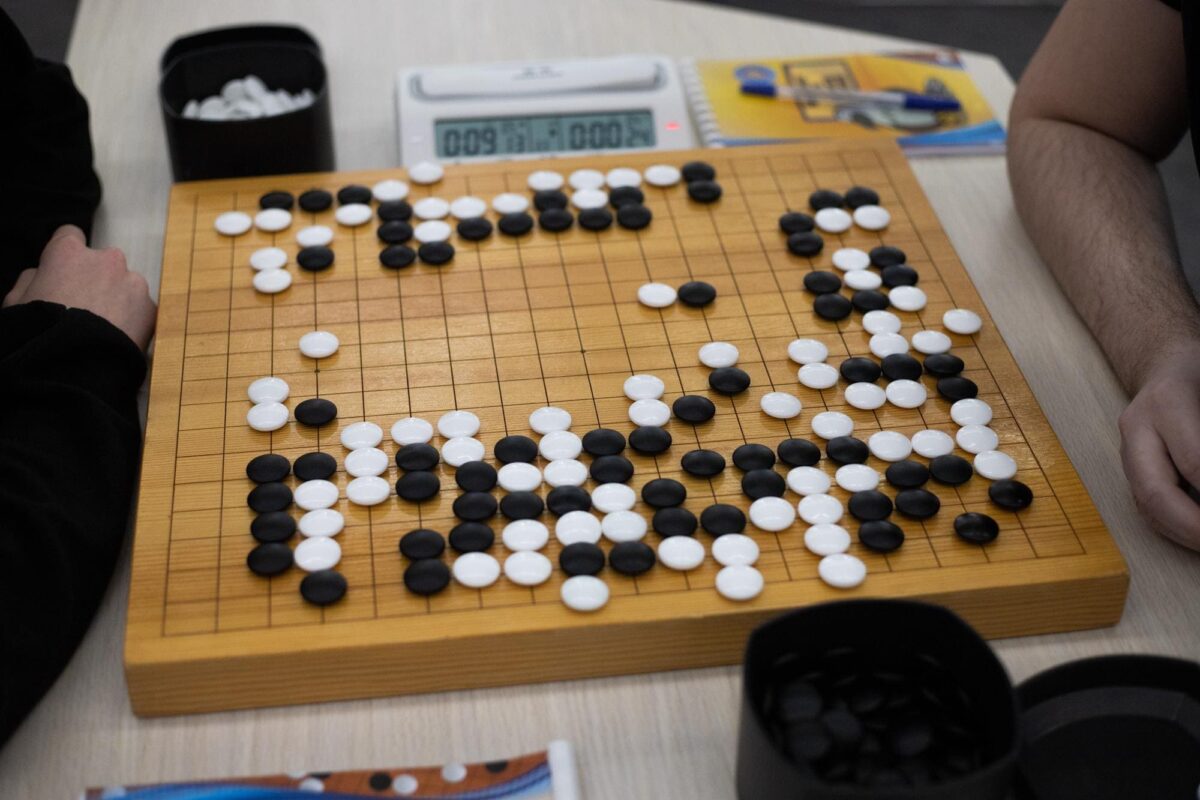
<point>99,281</point>
<point>1160,443</point>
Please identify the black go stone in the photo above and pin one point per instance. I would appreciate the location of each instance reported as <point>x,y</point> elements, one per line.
<point>604,442</point>
<point>471,537</point>
<point>581,558</point>
<point>353,193</point>
<point>674,521</point>
<point>595,219</point>
<point>516,448</point>
<point>516,224</point>
<point>315,411</point>
<point>611,469</point>
<point>418,486</point>
<point>909,738</point>
<point>650,440</point>
<point>273,526</point>
<point>547,199</point>
<point>626,196</point>
<point>753,456</point>
<point>634,217</point>
<point>901,366</point>
<point>957,388</point>
<point>886,255</point>
<point>475,229</point>
<point>269,497</point>
<point>417,456</point>
<point>268,468</point>
<point>379,781</point>
<point>693,408</point>
<point>899,275</point>
<point>796,222</point>
<point>664,493</point>
<point>1010,494</point>
<point>315,200</point>
<point>703,463</point>
<point>427,576</point>
<point>825,198</point>
<point>397,256</point>
<point>870,300</point>
<point>722,518</point>
<point>798,701</point>
<point>805,243</point>
<point>474,506</point>
<point>976,528</point>
<point>907,474</point>
<point>422,543</point>
<point>808,741</point>
<point>698,171</point>
<point>860,370</point>
<point>314,466</point>
<point>822,282</point>
<point>269,558</point>
<point>565,499</point>
<point>729,380</point>
<point>395,231</point>
<point>870,505</point>
<point>918,503</point>
<point>832,307</point>
<point>522,505</point>
<point>435,253</point>
<point>798,452</point>
<point>697,294</point>
<point>282,200</point>
<point>314,259</point>
<point>847,450</point>
<point>556,220</point>
<point>323,587</point>
<point>951,469</point>
<point>704,191</point>
<point>944,365</point>
<point>881,536</point>
<point>844,728</point>
<point>861,196</point>
<point>631,558</point>
<point>394,209</point>
<point>763,483</point>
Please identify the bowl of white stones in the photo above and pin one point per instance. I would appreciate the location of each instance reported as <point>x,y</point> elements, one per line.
<point>246,100</point>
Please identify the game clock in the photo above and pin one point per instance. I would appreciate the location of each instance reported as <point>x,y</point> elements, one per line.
<point>500,136</point>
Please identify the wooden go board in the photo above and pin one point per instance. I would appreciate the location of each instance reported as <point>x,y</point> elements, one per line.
<point>513,324</point>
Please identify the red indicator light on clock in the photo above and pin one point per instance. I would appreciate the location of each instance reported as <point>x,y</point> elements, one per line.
<point>672,126</point>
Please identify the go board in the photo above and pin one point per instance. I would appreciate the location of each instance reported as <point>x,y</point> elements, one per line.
<point>513,324</point>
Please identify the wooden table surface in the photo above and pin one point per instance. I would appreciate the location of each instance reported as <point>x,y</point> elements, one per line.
<point>662,736</point>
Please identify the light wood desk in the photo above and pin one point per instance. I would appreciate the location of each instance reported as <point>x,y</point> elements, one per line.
<point>654,736</point>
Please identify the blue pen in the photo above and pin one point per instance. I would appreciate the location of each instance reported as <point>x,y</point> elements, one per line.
<point>814,94</point>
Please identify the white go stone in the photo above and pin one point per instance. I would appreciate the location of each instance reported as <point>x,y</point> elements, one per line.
<point>817,508</point>
<point>411,430</point>
<point>519,477</point>
<point>931,342</point>
<point>586,179</point>
<point>907,298</point>
<point>780,405</point>
<point>458,423</point>
<point>662,175</point>
<point>509,203</point>
<point>319,344</point>
<point>887,344</point>
<point>431,208</point>
<point>772,514</point>
<point>366,461</point>
<point>865,396</point>
<point>268,390</point>
<point>842,570</point>
<point>233,223</point>
<point>995,466</point>
<point>826,539</point>
<point>584,593</point>
<point>971,411</point>
<point>312,495</point>
<point>890,445</point>
<point>267,417</point>
<point>880,321</point>
<point>644,387</point>
<point>931,443</point>
<point>719,354</point>
<point>622,176</point>
<point>467,207</point>
<point>851,259</point>
<point>832,424</point>
<point>432,230</point>
<point>904,393</point>
<point>739,583</point>
<point>389,190</point>
<point>322,522</point>
<point>807,351</point>
<point>583,199</point>
<point>565,472</point>
<point>656,295</point>
<point>680,553</point>
<point>475,570</point>
<point>654,413</point>
<point>550,418</point>
<point>271,281</point>
<point>863,279</point>
<point>361,434</point>
<point>426,172</point>
<point>808,480</point>
<point>977,438</point>
<point>544,180</point>
<point>272,219</point>
<point>462,449</point>
<point>558,445</point>
<point>314,236</point>
<point>581,526</point>
<point>368,491</point>
<point>734,548</point>
<point>872,217</point>
<point>353,214</point>
<point>525,534</point>
<point>856,477</point>
<point>961,320</point>
<point>528,568</point>
<point>317,553</point>
<point>610,497</point>
<point>818,376</point>
<point>268,258</point>
<point>833,220</point>
<point>623,526</point>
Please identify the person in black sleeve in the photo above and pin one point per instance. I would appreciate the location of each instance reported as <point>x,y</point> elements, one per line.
<point>74,325</point>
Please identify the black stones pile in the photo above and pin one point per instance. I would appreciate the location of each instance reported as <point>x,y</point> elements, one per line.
<point>701,179</point>
<point>419,481</point>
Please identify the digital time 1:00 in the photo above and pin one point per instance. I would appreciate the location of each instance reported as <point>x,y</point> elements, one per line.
<point>549,133</point>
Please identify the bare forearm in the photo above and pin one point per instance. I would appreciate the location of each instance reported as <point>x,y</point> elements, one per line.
<point>1096,210</point>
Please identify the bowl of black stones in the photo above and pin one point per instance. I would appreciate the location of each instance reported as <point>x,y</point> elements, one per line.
<point>875,699</point>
